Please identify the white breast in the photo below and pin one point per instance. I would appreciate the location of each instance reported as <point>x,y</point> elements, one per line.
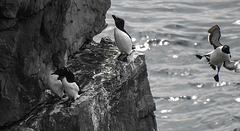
<point>123,41</point>
<point>55,85</point>
<point>218,57</point>
<point>71,89</point>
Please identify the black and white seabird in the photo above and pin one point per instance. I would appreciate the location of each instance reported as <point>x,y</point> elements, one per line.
<point>54,82</point>
<point>122,38</point>
<point>69,84</point>
<point>220,54</point>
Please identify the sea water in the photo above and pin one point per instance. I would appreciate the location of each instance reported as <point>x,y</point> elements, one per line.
<point>171,32</point>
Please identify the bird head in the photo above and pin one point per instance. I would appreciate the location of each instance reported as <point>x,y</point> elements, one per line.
<point>226,49</point>
<point>119,22</point>
<point>60,72</point>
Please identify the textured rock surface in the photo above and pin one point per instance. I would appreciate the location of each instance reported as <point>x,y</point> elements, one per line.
<point>116,95</point>
<point>36,36</point>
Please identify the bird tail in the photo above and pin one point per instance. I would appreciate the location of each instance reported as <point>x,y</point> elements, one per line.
<point>199,56</point>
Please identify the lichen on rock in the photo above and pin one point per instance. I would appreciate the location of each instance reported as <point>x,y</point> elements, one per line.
<point>115,95</point>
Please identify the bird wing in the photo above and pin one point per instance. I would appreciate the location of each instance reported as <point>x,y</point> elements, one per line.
<point>231,65</point>
<point>74,86</point>
<point>214,36</point>
<point>126,33</point>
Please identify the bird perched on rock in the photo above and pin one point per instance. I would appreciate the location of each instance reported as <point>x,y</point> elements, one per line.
<point>122,38</point>
<point>54,82</point>
<point>69,84</point>
<point>220,54</point>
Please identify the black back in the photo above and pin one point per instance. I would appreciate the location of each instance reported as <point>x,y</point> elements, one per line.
<point>60,72</point>
<point>70,76</point>
<point>119,22</point>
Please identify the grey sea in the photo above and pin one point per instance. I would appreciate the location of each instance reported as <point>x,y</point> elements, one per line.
<point>170,33</point>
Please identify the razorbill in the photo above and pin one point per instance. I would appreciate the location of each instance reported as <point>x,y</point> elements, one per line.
<point>69,84</point>
<point>54,82</point>
<point>232,65</point>
<point>220,54</point>
<point>122,38</point>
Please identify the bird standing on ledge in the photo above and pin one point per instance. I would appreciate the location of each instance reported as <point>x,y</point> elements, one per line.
<point>55,84</point>
<point>69,85</point>
<point>65,82</point>
<point>122,38</point>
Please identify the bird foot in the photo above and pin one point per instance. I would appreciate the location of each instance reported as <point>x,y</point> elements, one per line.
<point>216,78</point>
<point>133,47</point>
<point>77,97</point>
<point>65,97</point>
<point>213,66</point>
<point>123,57</point>
<point>66,101</point>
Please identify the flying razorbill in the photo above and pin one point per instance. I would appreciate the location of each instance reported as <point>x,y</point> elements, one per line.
<point>122,38</point>
<point>220,54</point>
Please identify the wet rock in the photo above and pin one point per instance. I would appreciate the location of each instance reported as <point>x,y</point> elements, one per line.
<point>37,36</point>
<point>115,95</point>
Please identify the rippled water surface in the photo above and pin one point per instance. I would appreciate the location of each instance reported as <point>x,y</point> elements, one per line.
<point>186,96</point>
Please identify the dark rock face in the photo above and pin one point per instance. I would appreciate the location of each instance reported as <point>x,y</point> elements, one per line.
<point>36,36</point>
<point>115,95</point>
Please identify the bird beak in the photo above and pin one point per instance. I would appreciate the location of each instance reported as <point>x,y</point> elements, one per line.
<point>60,77</point>
<point>114,17</point>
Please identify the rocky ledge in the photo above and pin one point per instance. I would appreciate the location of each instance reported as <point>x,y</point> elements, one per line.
<point>36,37</point>
<point>39,36</point>
<point>115,95</point>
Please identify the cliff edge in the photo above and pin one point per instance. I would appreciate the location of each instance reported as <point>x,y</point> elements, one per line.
<point>115,95</point>
<point>37,37</point>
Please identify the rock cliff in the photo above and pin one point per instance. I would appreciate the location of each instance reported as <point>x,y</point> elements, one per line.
<point>115,97</point>
<point>37,37</point>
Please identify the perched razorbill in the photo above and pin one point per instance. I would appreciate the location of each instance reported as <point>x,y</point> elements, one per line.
<point>54,82</point>
<point>220,54</point>
<point>122,38</point>
<point>69,84</point>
